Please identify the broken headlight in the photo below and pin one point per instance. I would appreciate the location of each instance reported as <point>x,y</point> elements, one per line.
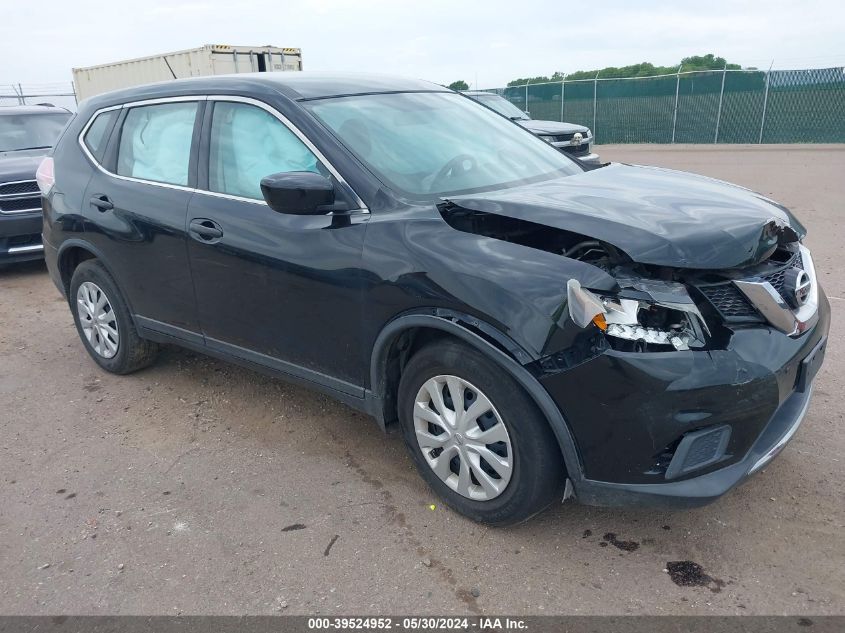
<point>645,312</point>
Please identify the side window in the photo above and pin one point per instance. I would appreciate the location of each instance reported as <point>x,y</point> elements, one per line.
<point>155,142</point>
<point>248,143</point>
<point>97,136</point>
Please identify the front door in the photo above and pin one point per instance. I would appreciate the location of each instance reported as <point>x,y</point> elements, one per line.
<point>276,289</point>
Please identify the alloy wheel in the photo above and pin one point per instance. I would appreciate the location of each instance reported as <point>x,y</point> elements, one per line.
<point>463,438</point>
<point>97,319</point>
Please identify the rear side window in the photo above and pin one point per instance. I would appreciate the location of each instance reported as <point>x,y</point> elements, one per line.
<point>248,143</point>
<point>155,142</point>
<point>98,133</point>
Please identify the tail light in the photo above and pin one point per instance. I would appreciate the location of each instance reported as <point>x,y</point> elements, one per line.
<point>44,176</point>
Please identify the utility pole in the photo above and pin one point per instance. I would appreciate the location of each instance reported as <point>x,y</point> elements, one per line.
<point>595,100</point>
<point>765,102</point>
<point>677,92</point>
<point>721,96</point>
<point>562,95</point>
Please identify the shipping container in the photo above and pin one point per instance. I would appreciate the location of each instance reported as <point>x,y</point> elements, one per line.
<point>211,59</point>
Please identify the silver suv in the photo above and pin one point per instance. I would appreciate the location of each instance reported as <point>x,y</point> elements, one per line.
<point>575,140</point>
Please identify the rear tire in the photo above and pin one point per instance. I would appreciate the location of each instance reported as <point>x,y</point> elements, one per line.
<point>503,464</point>
<point>104,322</point>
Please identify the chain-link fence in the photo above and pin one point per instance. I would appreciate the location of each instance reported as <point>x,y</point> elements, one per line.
<point>723,106</point>
<point>59,94</point>
<point>730,106</point>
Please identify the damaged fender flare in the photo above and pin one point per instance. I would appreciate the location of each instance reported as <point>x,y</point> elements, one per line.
<point>450,322</point>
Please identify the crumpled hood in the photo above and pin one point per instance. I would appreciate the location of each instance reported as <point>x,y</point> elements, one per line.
<point>20,165</point>
<point>552,127</point>
<point>657,216</point>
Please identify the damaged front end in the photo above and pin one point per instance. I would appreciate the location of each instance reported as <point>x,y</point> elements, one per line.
<point>726,405</point>
<point>666,373</point>
<point>741,348</point>
<point>660,307</point>
<point>645,313</point>
<point>780,291</point>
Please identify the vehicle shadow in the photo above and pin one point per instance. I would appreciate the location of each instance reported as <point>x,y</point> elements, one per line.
<point>23,270</point>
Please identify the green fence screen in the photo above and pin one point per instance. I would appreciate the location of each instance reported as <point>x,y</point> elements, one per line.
<point>741,106</point>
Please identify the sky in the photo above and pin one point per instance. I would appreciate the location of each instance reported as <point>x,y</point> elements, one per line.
<point>486,43</point>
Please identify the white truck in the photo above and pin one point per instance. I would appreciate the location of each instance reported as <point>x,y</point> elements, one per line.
<point>211,59</point>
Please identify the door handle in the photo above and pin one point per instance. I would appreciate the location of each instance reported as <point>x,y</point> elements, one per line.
<point>205,230</point>
<point>102,203</point>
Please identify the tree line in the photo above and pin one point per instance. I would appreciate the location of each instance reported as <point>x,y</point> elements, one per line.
<point>644,69</point>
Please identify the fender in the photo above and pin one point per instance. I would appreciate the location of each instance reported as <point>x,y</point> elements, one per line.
<point>76,242</point>
<point>453,323</point>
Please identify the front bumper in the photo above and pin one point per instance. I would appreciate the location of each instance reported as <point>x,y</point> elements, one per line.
<point>630,412</point>
<point>20,237</point>
<point>590,159</point>
<point>573,151</point>
<point>704,489</point>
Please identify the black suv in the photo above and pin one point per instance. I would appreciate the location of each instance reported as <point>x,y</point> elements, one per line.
<point>539,329</point>
<point>26,135</point>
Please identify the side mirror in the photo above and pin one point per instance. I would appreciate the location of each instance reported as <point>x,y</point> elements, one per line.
<point>298,192</point>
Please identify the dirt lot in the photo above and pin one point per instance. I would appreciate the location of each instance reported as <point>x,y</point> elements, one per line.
<point>199,487</point>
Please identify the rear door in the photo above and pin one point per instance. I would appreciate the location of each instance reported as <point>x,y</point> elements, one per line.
<point>136,206</point>
<point>277,289</point>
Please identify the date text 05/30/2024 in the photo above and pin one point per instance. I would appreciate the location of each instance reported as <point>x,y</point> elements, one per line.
<point>484,624</point>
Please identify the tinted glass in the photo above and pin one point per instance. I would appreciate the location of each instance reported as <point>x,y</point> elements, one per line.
<point>430,144</point>
<point>30,131</point>
<point>155,142</point>
<point>98,133</point>
<point>248,143</point>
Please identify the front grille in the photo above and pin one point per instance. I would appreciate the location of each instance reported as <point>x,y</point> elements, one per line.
<point>577,150</point>
<point>778,277</point>
<point>16,188</point>
<point>18,205</point>
<point>733,305</point>
<point>729,302</point>
<point>559,138</point>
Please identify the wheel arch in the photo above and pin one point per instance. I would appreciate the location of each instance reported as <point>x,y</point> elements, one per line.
<point>75,251</point>
<point>405,333</point>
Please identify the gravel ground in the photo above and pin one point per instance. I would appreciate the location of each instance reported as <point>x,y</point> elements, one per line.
<point>197,487</point>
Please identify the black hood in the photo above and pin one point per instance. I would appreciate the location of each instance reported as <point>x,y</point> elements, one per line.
<point>552,127</point>
<point>656,216</point>
<point>20,165</point>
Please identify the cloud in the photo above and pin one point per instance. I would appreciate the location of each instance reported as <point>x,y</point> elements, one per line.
<point>440,40</point>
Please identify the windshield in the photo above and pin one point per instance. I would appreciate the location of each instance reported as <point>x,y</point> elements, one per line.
<point>30,131</point>
<point>433,143</point>
<point>502,106</point>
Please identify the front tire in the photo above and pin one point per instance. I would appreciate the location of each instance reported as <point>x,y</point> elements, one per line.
<point>476,437</point>
<point>104,323</point>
